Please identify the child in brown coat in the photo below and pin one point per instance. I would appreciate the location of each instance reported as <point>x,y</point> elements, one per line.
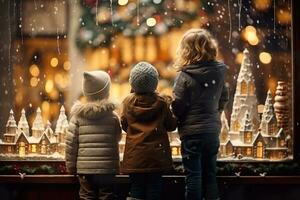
<point>146,118</point>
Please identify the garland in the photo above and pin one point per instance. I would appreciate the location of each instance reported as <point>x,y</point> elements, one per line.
<point>15,169</point>
<point>255,169</point>
<point>227,169</point>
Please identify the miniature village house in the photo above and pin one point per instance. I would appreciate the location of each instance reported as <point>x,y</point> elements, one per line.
<point>17,141</point>
<point>175,145</point>
<point>248,136</point>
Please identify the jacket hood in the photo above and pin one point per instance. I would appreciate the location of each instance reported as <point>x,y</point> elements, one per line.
<point>93,109</point>
<point>204,71</point>
<point>144,108</point>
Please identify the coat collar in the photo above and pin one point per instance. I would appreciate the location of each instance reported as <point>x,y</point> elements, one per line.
<point>92,109</point>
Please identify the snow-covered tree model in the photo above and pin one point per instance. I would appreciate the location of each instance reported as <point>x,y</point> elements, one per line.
<point>248,136</point>
<point>42,144</point>
<point>23,123</point>
<point>244,99</point>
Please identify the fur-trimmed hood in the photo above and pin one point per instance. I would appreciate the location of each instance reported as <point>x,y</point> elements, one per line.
<point>92,109</point>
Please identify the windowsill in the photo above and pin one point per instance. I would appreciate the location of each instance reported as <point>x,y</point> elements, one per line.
<point>67,179</point>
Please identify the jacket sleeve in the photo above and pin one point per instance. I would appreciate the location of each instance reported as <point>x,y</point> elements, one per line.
<point>72,146</point>
<point>224,98</point>
<point>170,120</point>
<point>118,128</point>
<point>124,122</point>
<point>180,95</point>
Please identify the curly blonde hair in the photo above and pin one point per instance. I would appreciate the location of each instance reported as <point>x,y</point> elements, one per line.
<point>196,45</point>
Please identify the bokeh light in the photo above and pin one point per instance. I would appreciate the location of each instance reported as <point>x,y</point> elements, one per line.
<point>265,57</point>
<point>151,22</point>
<point>54,62</point>
<point>34,70</point>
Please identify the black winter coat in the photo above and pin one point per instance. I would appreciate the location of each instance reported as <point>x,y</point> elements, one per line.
<point>199,96</point>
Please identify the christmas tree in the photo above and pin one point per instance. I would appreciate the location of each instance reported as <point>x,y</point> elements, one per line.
<point>101,20</point>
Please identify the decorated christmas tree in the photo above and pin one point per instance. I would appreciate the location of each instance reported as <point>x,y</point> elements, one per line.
<point>101,20</point>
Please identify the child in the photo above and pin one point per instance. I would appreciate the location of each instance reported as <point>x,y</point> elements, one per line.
<point>92,141</point>
<point>199,97</point>
<point>146,118</point>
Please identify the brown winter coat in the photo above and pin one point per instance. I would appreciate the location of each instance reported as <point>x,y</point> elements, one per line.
<point>146,120</point>
<point>92,139</point>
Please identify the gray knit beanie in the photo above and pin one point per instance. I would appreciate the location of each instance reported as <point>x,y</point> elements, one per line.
<point>143,78</point>
<point>96,84</point>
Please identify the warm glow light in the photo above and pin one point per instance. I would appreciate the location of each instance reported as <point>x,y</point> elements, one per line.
<point>67,65</point>
<point>54,94</point>
<point>58,78</point>
<point>34,82</point>
<point>284,16</point>
<point>250,29</point>
<point>249,34</point>
<point>239,58</point>
<point>34,70</point>
<point>262,4</point>
<point>45,106</point>
<point>122,2</point>
<point>49,86</point>
<point>151,22</point>
<point>265,57</point>
<point>19,98</point>
<point>54,62</point>
<point>272,84</point>
<point>253,41</point>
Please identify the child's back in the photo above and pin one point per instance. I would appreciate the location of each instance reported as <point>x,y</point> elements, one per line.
<point>98,134</point>
<point>146,118</point>
<point>92,141</point>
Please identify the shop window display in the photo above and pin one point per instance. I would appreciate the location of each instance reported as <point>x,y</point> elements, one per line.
<point>254,39</point>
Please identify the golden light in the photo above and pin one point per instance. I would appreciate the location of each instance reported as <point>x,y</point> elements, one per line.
<point>67,65</point>
<point>262,4</point>
<point>46,110</point>
<point>54,94</point>
<point>272,83</point>
<point>284,16</point>
<point>45,106</point>
<point>34,82</point>
<point>250,35</point>
<point>239,58</point>
<point>254,41</point>
<point>54,62</point>
<point>49,86</point>
<point>58,78</point>
<point>61,80</point>
<point>34,70</point>
<point>250,29</point>
<point>122,2</point>
<point>151,22</point>
<point>265,57</point>
<point>66,81</point>
<point>19,98</point>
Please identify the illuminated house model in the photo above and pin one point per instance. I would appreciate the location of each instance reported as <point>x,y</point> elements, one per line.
<point>248,136</point>
<point>43,142</point>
